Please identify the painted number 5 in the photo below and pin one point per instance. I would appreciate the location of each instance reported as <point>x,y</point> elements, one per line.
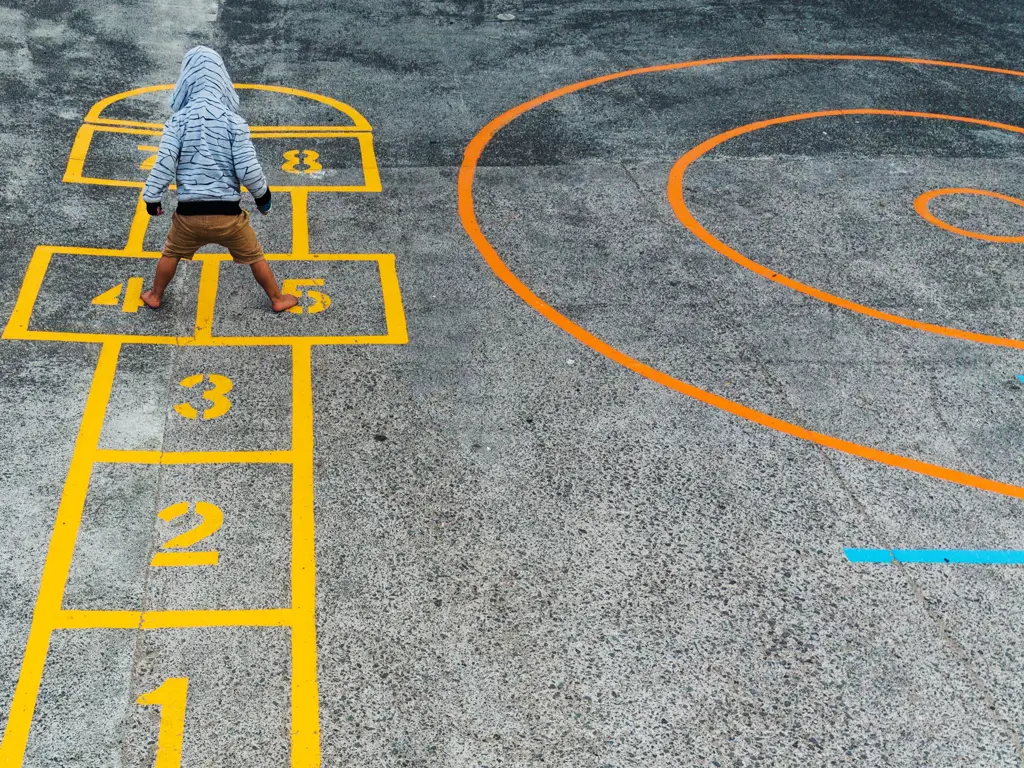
<point>319,301</point>
<point>217,397</point>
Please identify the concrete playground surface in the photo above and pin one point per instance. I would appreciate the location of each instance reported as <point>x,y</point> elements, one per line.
<point>652,400</point>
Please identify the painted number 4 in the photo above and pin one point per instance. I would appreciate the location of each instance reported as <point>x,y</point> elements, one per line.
<point>132,296</point>
<point>300,289</point>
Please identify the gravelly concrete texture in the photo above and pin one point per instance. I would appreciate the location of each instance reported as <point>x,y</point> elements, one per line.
<point>526,553</point>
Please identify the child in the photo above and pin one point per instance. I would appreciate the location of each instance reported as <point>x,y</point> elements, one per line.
<point>206,145</point>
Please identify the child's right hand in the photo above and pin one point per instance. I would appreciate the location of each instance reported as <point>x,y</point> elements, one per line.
<point>154,209</point>
<point>264,203</point>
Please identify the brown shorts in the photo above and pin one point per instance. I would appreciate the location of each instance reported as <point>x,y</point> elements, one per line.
<point>190,233</point>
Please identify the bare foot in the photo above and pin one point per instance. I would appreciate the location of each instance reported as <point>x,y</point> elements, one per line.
<point>151,299</point>
<point>287,301</point>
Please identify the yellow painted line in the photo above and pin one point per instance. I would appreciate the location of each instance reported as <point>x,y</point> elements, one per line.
<point>300,223</point>
<point>79,150</point>
<point>394,312</point>
<point>17,326</point>
<point>206,302</point>
<point>107,182</point>
<point>95,114</point>
<point>58,559</point>
<point>312,188</point>
<point>272,341</point>
<point>74,250</point>
<point>325,256</point>
<point>312,132</point>
<point>137,232</point>
<point>184,559</point>
<point>371,173</point>
<point>305,688</point>
<point>259,617</point>
<point>184,341</point>
<point>305,131</point>
<point>166,458</point>
<point>129,128</point>
<point>96,338</point>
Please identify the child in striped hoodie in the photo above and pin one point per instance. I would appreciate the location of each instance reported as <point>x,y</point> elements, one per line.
<point>206,148</point>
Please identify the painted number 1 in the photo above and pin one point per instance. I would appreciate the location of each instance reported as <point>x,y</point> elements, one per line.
<point>171,698</point>
<point>217,397</point>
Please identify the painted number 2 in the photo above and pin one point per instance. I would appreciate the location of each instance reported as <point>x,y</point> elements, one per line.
<point>309,159</point>
<point>319,301</point>
<point>217,396</point>
<point>171,697</point>
<point>211,519</point>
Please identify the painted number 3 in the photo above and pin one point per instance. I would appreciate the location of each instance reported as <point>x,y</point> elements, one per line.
<point>217,396</point>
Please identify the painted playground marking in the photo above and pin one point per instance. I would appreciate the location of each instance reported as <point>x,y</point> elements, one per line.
<point>467,213</point>
<point>675,195</point>
<point>49,615</point>
<point>921,206</point>
<point>937,556</point>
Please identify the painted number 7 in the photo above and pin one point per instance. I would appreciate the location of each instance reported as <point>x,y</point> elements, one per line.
<point>300,289</point>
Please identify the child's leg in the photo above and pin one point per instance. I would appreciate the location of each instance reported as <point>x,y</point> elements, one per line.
<point>165,269</point>
<point>182,242</point>
<point>265,277</point>
<point>237,235</point>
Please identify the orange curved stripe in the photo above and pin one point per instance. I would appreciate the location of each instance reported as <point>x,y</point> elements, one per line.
<point>675,197</point>
<point>921,206</point>
<point>467,214</point>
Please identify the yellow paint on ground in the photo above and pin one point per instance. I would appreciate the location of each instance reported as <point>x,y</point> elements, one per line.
<point>300,617</point>
<point>305,689</point>
<point>184,559</point>
<point>171,697</point>
<point>57,565</point>
<point>151,620</point>
<point>170,458</point>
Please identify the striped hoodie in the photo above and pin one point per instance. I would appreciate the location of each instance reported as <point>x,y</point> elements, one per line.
<point>206,144</point>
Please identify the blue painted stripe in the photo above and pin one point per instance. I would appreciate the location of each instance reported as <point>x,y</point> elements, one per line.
<point>941,556</point>
<point>1020,378</point>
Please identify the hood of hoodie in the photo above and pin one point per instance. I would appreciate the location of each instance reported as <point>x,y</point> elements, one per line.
<point>203,77</point>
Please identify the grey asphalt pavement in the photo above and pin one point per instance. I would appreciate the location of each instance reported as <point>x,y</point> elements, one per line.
<point>528,554</point>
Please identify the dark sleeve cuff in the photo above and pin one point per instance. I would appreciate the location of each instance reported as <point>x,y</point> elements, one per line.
<point>263,201</point>
<point>152,209</point>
